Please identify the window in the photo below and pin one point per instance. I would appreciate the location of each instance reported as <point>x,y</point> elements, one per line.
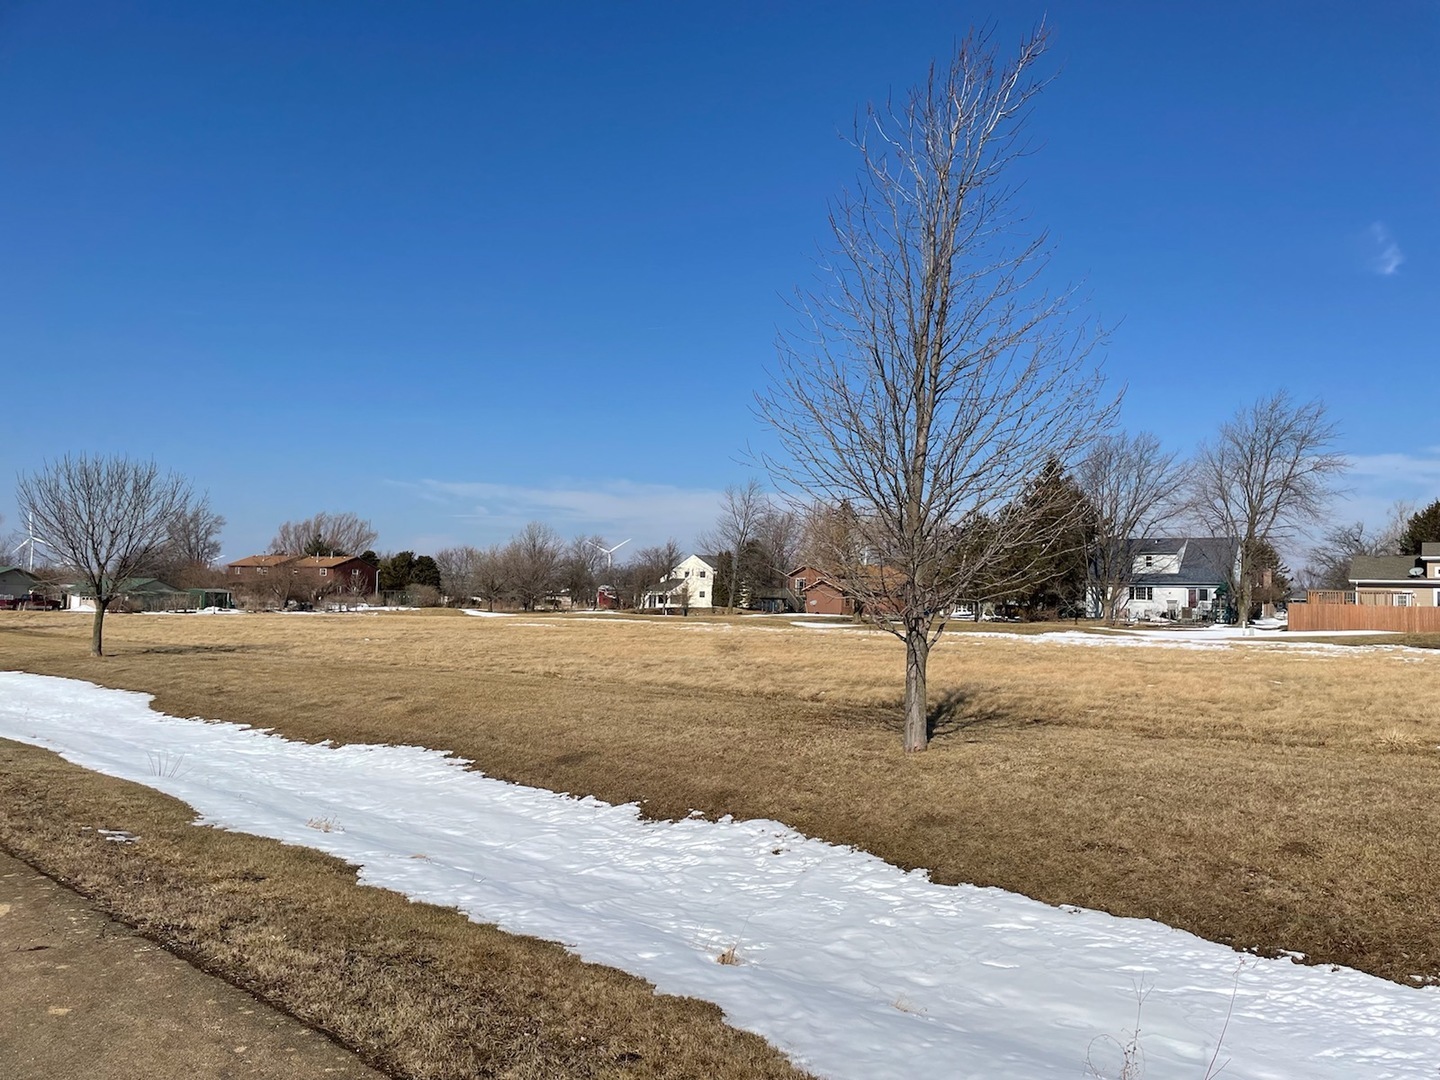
<point>323,571</point>
<point>799,584</point>
<point>262,569</point>
<point>1142,592</point>
<point>1202,595</point>
<point>1149,561</point>
<point>702,574</point>
<point>1404,599</point>
<point>702,591</point>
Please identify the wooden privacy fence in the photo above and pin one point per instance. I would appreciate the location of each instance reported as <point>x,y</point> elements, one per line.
<point>1332,616</point>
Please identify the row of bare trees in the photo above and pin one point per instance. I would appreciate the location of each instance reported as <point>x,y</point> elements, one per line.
<point>537,567</point>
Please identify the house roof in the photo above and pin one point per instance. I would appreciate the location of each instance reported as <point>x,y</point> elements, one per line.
<point>263,560</point>
<point>128,587</point>
<point>806,571</point>
<point>1430,551</point>
<point>1204,560</point>
<point>325,561</point>
<point>1383,568</point>
<point>1158,545</point>
<point>18,570</point>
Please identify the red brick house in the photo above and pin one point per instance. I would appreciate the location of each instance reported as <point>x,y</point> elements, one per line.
<point>313,576</point>
<point>253,567</point>
<point>346,573</point>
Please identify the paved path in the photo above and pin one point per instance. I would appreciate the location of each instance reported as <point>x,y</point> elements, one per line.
<point>83,997</point>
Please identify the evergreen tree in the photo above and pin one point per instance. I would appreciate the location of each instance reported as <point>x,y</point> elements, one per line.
<point>398,571</point>
<point>425,572</point>
<point>1269,577</point>
<point>1424,528</point>
<point>1051,569</point>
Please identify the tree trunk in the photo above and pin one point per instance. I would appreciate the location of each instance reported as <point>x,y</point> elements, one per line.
<point>917,655</point>
<point>97,628</point>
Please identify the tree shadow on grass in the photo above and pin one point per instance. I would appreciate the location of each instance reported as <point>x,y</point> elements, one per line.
<point>959,711</point>
<point>192,650</point>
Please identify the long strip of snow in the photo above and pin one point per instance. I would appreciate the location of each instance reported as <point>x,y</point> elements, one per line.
<point>851,966</point>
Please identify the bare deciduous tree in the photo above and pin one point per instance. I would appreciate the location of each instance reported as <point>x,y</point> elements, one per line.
<point>459,571</point>
<point>533,563</point>
<point>106,518</point>
<point>742,508</point>
<point>1330,559</point>
<point>585,564</point>
<point>1130,483</point>
<point>1270,471</point>
<point>324,534</point>
<point>935,377</point>
<point>650,567</point>
<point>491,576</point>
<point>780,532</point>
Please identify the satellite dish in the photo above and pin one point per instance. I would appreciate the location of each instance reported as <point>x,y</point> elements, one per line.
<point>1417,571</point>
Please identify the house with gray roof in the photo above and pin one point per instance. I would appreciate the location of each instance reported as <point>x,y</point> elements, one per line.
<point>15,585</point>
<point>1178,576</point>
<point>132,594</point>
<point>1398,580</point>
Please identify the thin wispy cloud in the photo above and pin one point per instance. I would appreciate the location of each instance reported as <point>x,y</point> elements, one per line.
<point>1376,482</point>
<point>1413,469</point>
<point>1386,256</point>
<point>488,512</point>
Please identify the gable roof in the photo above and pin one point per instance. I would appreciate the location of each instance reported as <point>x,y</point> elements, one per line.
<point>1383,567</point>
<point>324,561</point>
<point>128,587</point>
<point>1157,545</point>
<point>820,578</point>
<point>1204,560</point>
<point>263,560</point>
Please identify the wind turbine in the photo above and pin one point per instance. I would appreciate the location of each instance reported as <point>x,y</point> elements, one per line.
<point>31,541</point>
<point>609,553</point>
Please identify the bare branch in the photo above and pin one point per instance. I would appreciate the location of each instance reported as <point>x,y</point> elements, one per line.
<point>1270,471</point>
<point>107,519</point>
<point>934,378</point>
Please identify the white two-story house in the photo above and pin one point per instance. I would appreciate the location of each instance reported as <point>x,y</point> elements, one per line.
<point>691,584</point>
<point>1178,577</point>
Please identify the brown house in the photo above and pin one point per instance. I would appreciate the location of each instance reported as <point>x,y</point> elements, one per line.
<point>256,566</point>
<point>819,595</point>
<point>311,577</point>
<point>345,573</point>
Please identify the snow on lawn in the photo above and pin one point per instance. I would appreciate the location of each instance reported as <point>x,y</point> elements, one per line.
<point>851,966</point>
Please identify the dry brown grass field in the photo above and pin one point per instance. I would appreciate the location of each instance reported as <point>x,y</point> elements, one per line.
<point>1268,798</point>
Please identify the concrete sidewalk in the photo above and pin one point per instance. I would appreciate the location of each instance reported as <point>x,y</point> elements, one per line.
<point>83,997</point>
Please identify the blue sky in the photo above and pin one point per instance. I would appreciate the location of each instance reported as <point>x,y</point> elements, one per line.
<point>453,266</point>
